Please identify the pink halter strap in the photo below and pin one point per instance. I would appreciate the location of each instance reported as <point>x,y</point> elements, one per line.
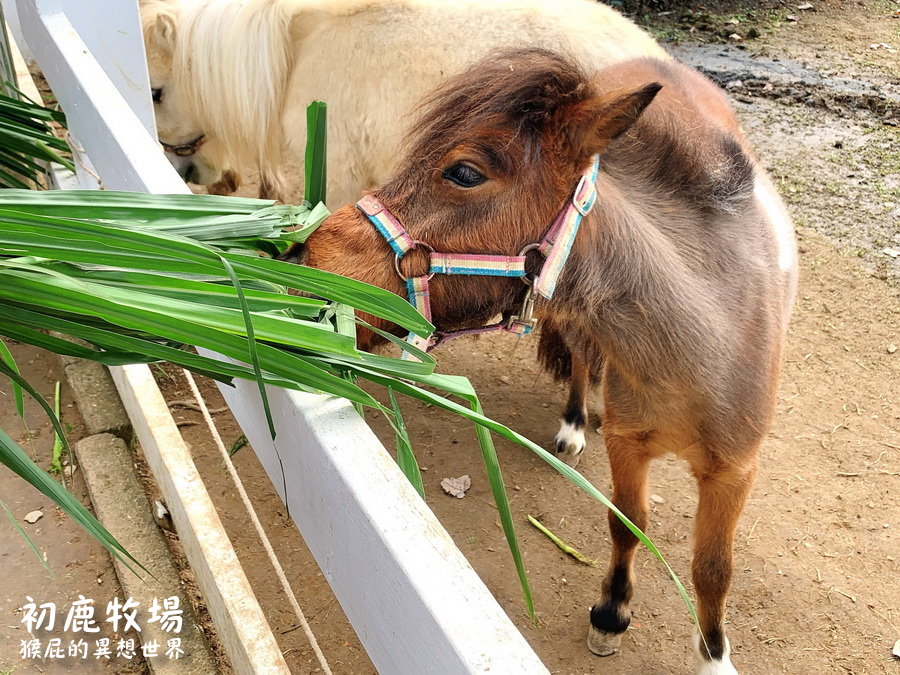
<point>555,247</point>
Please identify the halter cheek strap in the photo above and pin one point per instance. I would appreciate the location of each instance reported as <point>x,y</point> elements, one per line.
<point>557,243</point>
<point>185,149</point>
<point>555,247</point>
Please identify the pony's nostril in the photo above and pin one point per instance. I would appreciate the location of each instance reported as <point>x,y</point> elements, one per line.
<point>189,173</point>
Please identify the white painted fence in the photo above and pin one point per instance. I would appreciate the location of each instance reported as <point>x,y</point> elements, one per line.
<point>415,602</point>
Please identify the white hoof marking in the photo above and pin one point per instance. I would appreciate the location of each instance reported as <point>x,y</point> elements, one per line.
<point>570,443</point>
<point>706,666</point>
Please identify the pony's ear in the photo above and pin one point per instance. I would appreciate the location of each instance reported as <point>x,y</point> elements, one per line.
<point>164,29</point>
<point>596,121</point>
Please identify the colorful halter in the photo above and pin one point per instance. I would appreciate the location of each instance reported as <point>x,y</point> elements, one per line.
<point>555,247</point>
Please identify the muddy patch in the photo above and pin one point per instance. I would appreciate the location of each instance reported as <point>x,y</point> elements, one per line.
<point>744,73</point>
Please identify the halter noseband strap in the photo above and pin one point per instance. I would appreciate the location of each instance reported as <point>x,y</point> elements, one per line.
<point>555,247</point>
<point>185,149</point>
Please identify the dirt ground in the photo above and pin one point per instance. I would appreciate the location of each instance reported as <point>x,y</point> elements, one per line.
<point>78,564</point>
<point>815,586</point>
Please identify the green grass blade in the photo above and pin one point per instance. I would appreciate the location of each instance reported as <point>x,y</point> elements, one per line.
<point>422,356</point>
<point>142,288</point>
<point>405,457</point>
<point>56,456</point>
<point>7,358</point>
<point>24,384</point>
<point>124,206</point>
<point>24,535</point>
<point>254,354</point>
<point>501,500</point>
<point>203,292</point>
<point>12,456</point>
<point>237,445</point>
<point>314,163</point>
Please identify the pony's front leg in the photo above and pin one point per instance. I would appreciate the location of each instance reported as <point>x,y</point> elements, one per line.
<point>570,441</point>
<point>723,489</point>
<point>228,184</point>
<point>629,460</point>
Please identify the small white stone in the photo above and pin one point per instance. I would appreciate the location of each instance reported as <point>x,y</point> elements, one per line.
<point>656,499</point>
<point>33,516</point>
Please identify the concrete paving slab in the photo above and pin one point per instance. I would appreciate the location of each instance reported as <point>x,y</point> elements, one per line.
<point>98,400</point>
<point>120,502</point>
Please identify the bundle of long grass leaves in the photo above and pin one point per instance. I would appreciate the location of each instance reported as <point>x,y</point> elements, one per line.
<point>27,143</point>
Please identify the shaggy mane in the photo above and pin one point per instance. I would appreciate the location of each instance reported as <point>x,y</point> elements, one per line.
<point>518,88</point>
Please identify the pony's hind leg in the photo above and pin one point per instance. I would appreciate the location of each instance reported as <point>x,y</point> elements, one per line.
<point>629,460</point>
<point>557,358</point>
<point>723,490</point>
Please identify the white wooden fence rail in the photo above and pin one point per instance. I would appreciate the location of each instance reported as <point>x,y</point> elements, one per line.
<point>415,602</point>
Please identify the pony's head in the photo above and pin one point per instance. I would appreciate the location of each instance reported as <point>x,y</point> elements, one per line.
<point>493,159</point>
<point>182,135</point>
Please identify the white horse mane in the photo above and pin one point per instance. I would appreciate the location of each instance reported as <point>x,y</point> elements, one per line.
<point>231,63</point>
<point>234,62</point>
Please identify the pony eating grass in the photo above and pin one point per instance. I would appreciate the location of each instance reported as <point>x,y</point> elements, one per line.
<point>674,296</point>
<point>231,79</point>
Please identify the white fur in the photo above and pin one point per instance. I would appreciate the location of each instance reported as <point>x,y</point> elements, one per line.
<point>244,70</point>
<point>782,231</point>
<point>713,667</point>
<point>779,221</point>
<point>572,439</point>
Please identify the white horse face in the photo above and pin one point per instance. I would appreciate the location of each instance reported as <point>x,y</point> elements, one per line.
<point>177,127</point>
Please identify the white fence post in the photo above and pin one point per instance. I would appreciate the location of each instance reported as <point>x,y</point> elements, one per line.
<point>415,602</point>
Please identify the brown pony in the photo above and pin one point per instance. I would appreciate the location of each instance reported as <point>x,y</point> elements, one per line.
<point>675,298</point>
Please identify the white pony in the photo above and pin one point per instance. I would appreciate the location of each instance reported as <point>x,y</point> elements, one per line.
<point>232,78</point>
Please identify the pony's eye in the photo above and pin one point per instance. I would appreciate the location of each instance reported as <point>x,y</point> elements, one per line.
<point>464,175</point>
<point>157,95</point>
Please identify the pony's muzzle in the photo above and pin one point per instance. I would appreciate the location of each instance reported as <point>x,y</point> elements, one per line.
<point>296,254</point>
<point>185,166</point>
<point>193,168</point>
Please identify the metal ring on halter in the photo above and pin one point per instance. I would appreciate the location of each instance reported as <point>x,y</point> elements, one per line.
<point>415,244</point>
<point>528,281</point>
